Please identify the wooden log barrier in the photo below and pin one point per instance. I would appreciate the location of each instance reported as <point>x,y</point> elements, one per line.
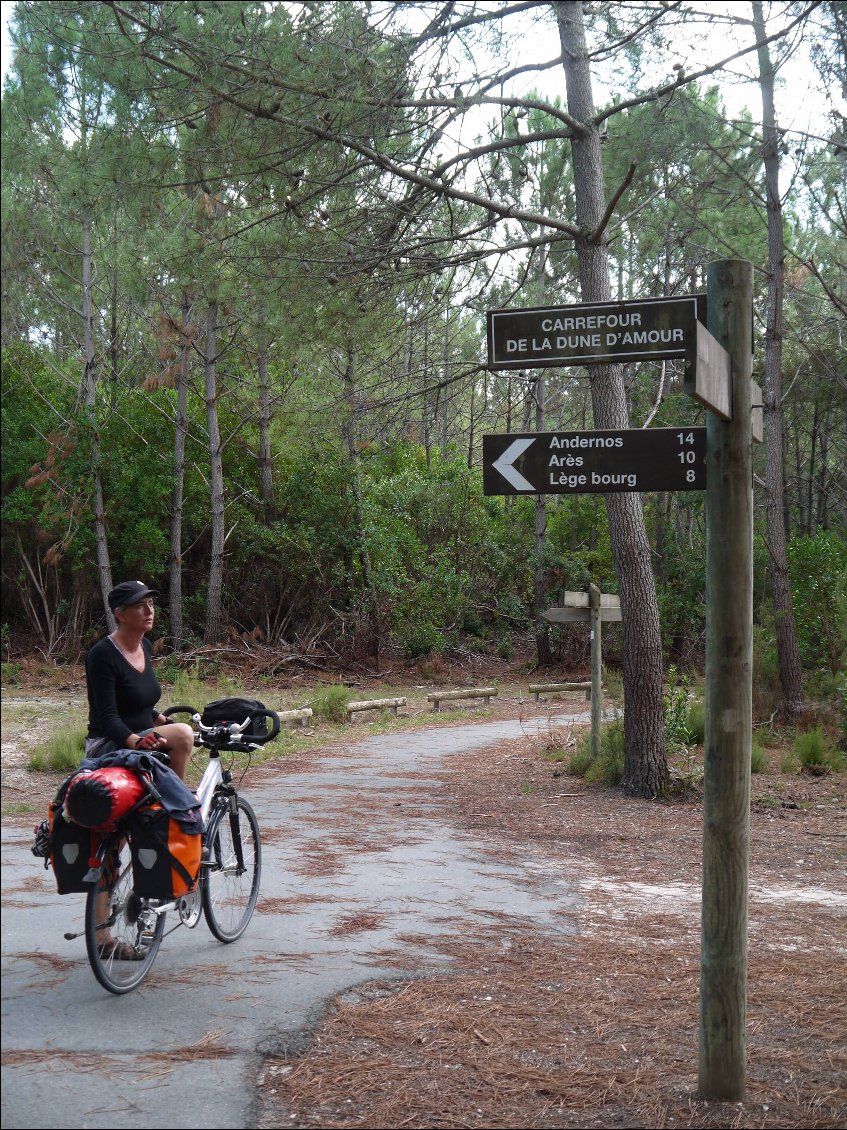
<point>538,689</point>
<point>303,715</point>
<point>437,697</point>
<point>375,704</point>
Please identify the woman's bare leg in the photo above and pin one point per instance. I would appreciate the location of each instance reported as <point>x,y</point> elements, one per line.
<point>180,739</point>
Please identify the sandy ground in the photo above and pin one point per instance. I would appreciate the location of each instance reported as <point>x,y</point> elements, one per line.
<point>601,1028</point>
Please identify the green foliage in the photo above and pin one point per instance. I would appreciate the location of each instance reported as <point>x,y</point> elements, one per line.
<point>818,568</point>
<point>308,263</point>
<point>758,759</point>
<point>330,703</point>
<point>766,685</point>
<point>816,753</point>
<point>11,674</point>
<point>789,762</point>
<point>609,766</point>
<point>61,753</point>
<point>188,686</point>
<point>696,724</point>
<point>677,711</point>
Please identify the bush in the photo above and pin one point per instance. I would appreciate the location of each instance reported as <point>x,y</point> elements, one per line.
<point>419,640</point>
<point>676,709</point>
<point>818,568</point>
<point>580,759</point>
<point>789,762</point>
<point>609,766</point>
<point>60,754</point>
<point>758,759</point>
<point>767,690</point>
<point>330,703</point>
<point>816,753</point>
<point>696,723</point>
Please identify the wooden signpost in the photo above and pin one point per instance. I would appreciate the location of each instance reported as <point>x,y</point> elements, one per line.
<point>718,365</point>
<point>595,607</point>
<point>729,696</point>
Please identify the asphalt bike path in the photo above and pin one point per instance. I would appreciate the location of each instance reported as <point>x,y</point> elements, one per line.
<point>360,859</point>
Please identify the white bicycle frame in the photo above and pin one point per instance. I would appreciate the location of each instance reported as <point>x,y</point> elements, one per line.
<point>212,777</point>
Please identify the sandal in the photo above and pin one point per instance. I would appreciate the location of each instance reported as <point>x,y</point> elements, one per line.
<point>119,951</point>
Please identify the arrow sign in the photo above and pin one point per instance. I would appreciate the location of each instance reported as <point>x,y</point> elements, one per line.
<point>505,464</point>
<point>597,462</point>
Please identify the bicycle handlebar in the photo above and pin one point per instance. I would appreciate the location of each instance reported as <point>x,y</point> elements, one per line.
<point>234,730</point>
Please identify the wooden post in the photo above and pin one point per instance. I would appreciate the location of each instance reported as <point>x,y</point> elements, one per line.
<point>596,672</point>
<point>729,652</point>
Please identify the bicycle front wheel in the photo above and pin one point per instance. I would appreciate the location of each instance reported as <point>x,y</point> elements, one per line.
<point>122,932</point>
<point>232,867</point>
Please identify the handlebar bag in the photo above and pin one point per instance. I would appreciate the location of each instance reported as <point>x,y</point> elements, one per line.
<point>165,858</point>
<point>100,797</point>
<point>225,710</point>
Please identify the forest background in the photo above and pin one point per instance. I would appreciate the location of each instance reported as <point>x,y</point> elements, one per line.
<point>247,254</point>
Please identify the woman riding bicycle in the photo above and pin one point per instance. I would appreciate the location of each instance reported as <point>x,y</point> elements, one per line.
<point>123,690</point>
<point>122,696</point>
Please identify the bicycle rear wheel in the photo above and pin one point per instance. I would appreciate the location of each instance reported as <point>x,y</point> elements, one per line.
<point>230,881</point>
<point>122,933</point>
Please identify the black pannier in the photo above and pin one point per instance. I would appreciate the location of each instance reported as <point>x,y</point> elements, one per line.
<point>225,710</point>
<point>72,854</point>
<point>165,858</point>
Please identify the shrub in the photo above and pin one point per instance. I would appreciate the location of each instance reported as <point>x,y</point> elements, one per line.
<point>696,723</point>
<point>580,759</point>
<point>758,759</point>
<point>767,690</point>
<point>818,566</point>
<point>61,753</point>
<point>789,762</point>
<point>419,640</point>
<point>816,753</point>
<point>330,703</point>
<point>676,710</point>
<point>609,766</point>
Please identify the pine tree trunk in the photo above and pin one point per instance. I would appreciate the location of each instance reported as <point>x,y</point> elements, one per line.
<point>371,601</point>
<point>790,673</point>
<point>542,628</point>
<point>214,612</point>
<point>266,482</point>
<point>645,764</point>
<point>104,565</point>
<point>178,488</point>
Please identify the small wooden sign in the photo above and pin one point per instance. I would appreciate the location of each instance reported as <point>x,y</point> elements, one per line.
<point>757,422</point>
<point>580,615</point>
<point>710,383</point>
<point>583,599</point>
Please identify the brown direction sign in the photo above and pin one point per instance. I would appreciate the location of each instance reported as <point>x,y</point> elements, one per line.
<point>635,459</point>
<point>650,329</point>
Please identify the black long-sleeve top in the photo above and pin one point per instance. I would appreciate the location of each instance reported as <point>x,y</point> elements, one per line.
<point>121,700</point>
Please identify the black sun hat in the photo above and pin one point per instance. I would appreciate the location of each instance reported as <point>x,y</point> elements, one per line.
<point>129,592</point>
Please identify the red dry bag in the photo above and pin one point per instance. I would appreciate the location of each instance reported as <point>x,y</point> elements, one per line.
<point>100,797</point>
